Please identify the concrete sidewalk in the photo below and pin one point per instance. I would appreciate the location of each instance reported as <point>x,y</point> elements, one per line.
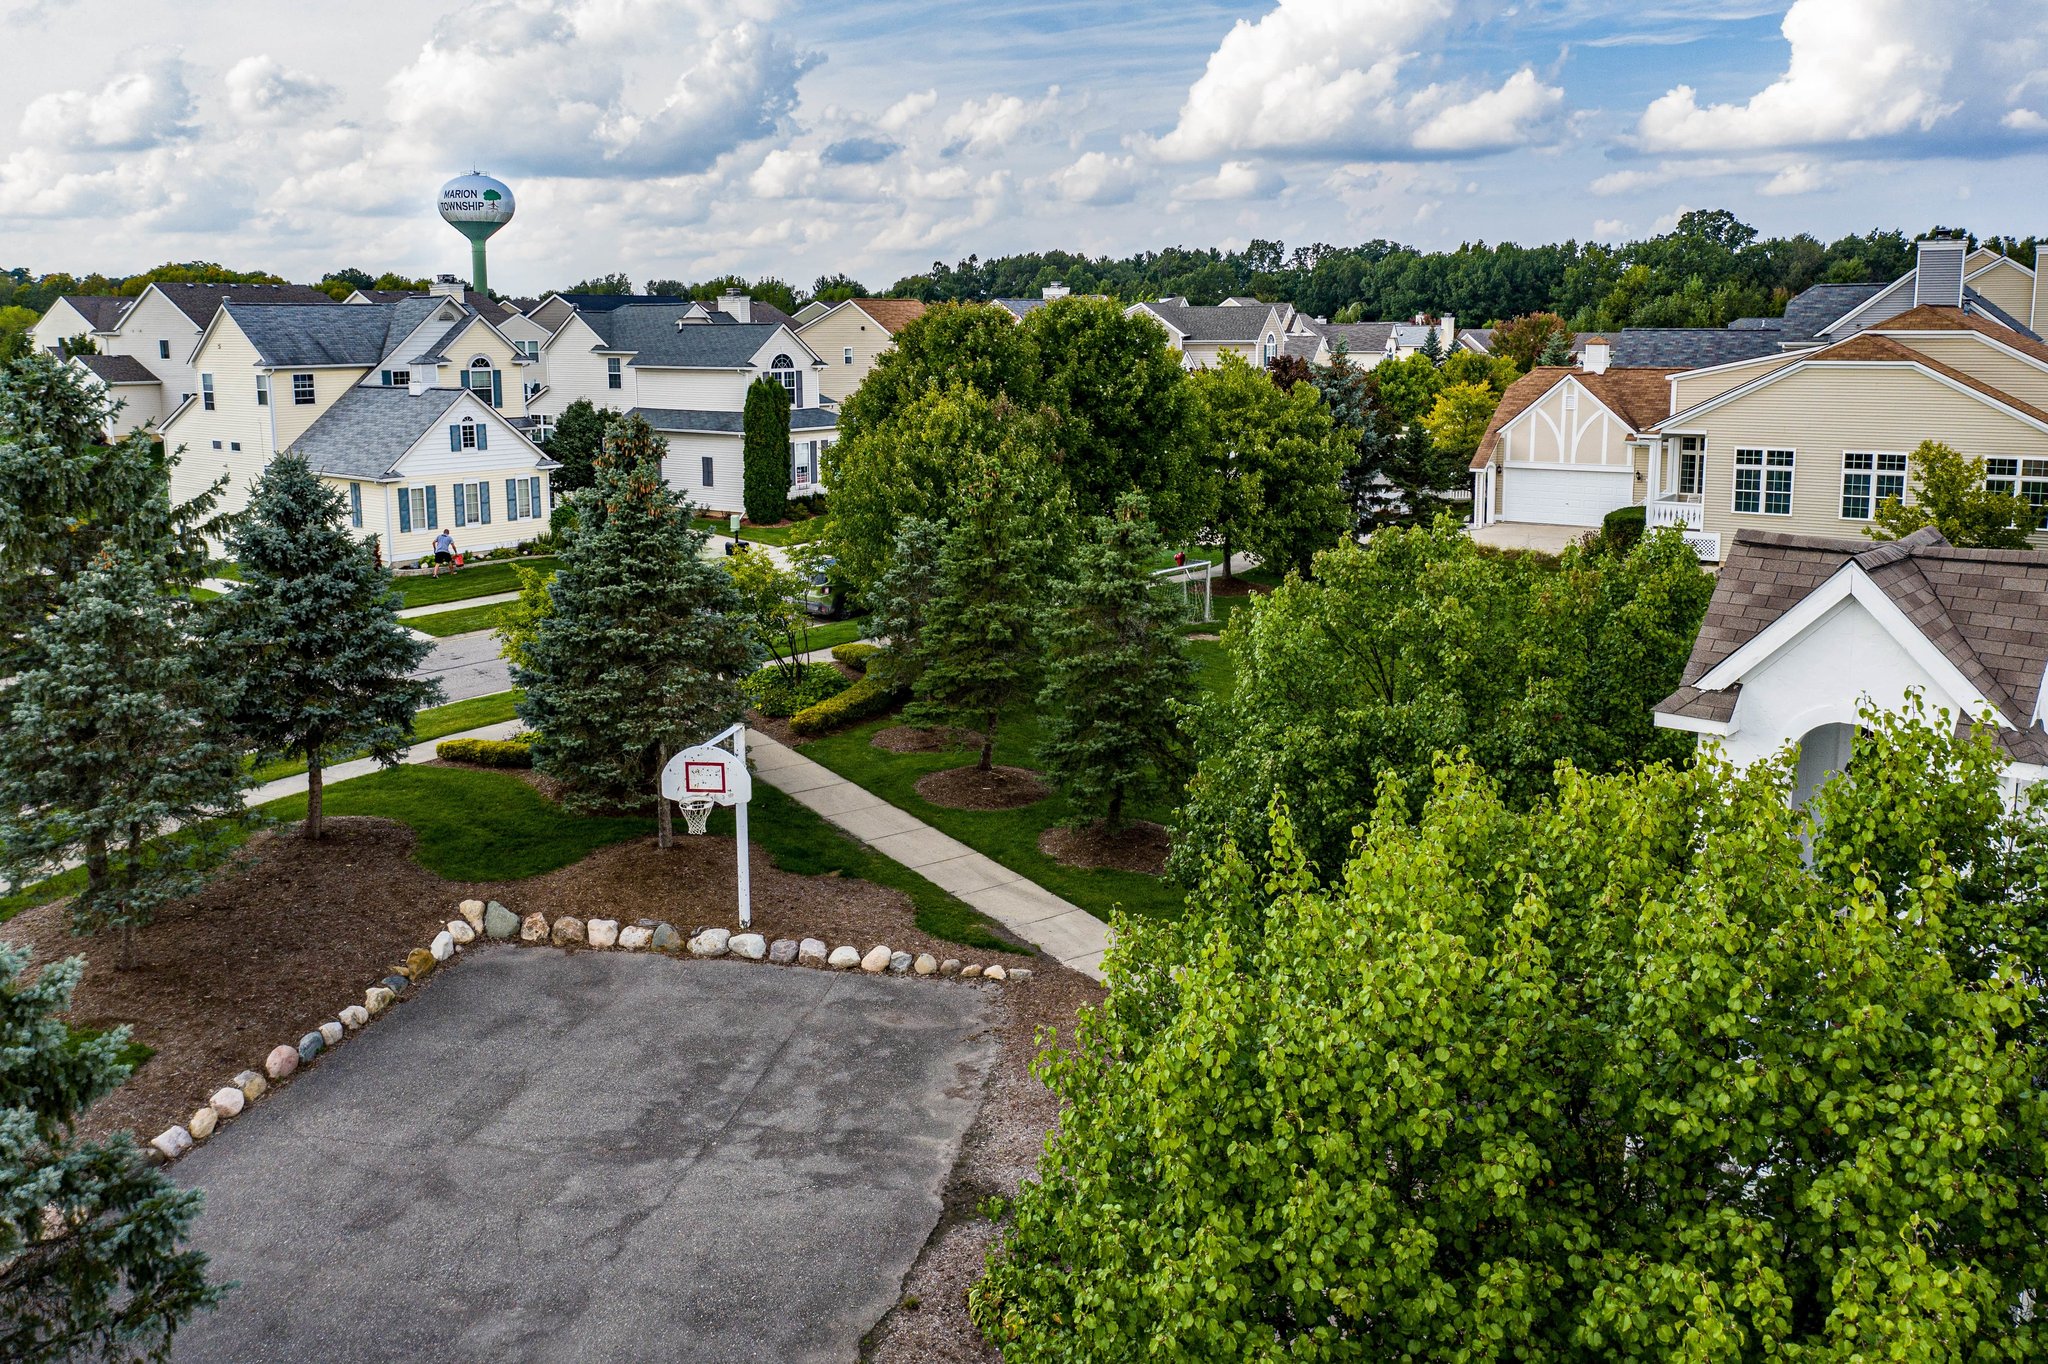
<point>1064,931</point>
<point>363,767</point>
<point>459,604</point>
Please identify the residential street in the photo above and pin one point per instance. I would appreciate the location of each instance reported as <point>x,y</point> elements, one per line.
<point>468,665</point>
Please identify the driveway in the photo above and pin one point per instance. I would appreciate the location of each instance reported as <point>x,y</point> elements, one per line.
<point>597,1156</point>
<point>468,665</point>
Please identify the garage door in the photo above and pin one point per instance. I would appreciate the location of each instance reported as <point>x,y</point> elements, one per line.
<point>1564,497</point>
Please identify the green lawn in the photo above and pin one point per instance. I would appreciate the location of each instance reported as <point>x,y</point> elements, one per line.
<point>434,722</point>
<point>478,580</point>
<point>461,621</point>
<point>834,633</point>
<point>795,533</point>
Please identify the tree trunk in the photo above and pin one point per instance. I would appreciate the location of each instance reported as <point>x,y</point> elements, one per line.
<point>126,958</point>
<point>988,742</point>
<point>1229,569</point>
<point>95,862</point>
<point>664,818</point>
<point>314,831</point>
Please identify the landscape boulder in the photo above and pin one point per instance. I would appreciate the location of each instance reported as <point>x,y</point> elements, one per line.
<point>712,942</point>
<point>666,939</point>
<point>811,952</point>
<point>1020,973</point>
<point>534,928</point>
<point>227,1101</point>
<point>443,946</point>
<point>311,1045</point>
<point>876,961</point>
<point>500,922</point>
<point>926,964</point>
<point>282,1061</point>
<point>472,912</point>
<point>899,963</point>
<point>752,946</point>
<point>202,1123</point>
<point>330,1032</point>
<point>461,932</point>
<point>420,963</point>
<point>377,999</point>
<point>950,966</point>
<point>172,1142</point>
<point>252,1084</point>
<point>354,1016</point>
<point>633,937</point>
<point>995,972</point>
<point>969,971</point>
<point>843,958</point>
<point>602,932</point>
<point>568,930</point>
<point>782,951</point>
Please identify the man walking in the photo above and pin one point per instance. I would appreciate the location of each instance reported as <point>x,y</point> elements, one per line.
<point>444,552</point>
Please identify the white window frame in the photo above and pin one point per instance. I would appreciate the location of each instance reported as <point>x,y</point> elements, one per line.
<point>1270,350</point>
<point>263,390</point>
<point>163,349</point>
<point>1764,467</point>
<point>614,373</point>
<point>707,468</point>
<point>849,355</point>
<point>468,428</point>
<point>2026,478</point>
<point>311,393</point>
<point>1878,482</point>
<point>418,496</point>
<point>784,371</point>
<point>206,392</point>
<point>1692,454</point>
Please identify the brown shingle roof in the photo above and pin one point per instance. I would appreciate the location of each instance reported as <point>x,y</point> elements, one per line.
<point>1639,395</point>
<point>1929,318</point>
<point>894,314</point>
<point>1983,608</point>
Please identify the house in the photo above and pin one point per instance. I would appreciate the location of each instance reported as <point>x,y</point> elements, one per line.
<point>1803,631</point>
<point>125,382</point>
<point>686,367</point>
<point>73,315</point>
<point>512,321</point>
<point>851,336</point>
<point>268,378</point>
<point>1247,328</point>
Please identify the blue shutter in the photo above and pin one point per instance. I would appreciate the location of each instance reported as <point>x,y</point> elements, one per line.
<point>355,505</point>
<point>463,516</point>
<point>536,495</point>
<point>511,499</point>
<point>455,438</point>
<point>386,376</point>
<point>497,389</point>
<point>433,512</point>
<point>483,436</point>
<point>483,502</point>
<point>405,509</point>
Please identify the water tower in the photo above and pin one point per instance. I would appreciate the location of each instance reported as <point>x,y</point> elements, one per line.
<point>476,206</point>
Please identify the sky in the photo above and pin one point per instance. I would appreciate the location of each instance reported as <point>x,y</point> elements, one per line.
<point>795,138</point>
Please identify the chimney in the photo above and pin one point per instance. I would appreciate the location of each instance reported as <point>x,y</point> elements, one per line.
<point>447,286</point>
<point>1447,332</point>
<point>416,381</point>
<point>2035,315</point>
<point>1593,358</point>
<point>736,305</point>
<point>1938,272</point>
<point>1053,291</point>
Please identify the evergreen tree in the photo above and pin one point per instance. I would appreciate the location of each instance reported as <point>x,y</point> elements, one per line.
<point>898,601</point>
<point>322,664</point>
<point>113,737</point>
<point>978,656</point>
<point>1115,668</point>
<point>643,650</point>
<point>764,488</point>
<point>577,437</point>
<point>1557,349</point>
<point>1432,346</point>
<point>91,1257</point>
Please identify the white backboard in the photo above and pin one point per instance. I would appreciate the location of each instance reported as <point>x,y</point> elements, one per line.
<point>707,772</point>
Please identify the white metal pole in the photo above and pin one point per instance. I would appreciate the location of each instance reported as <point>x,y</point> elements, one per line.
<point>739,748</point>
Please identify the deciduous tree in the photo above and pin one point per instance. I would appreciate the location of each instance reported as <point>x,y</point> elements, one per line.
<point>320,662</point>
<point>577,437</point>
<point>1524,339</point>
<point>1950,494</point>
<point>1277,461</point>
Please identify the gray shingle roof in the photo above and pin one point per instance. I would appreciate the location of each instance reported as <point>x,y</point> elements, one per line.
<point>650,331</point>
<point>1683,347</point>
<point>1359,338</point>
<point>290,334</point>
<point>1980,607</point>
<point>367,429</point>
<point>1977,303</point>
<point>117,369</point>
<point>1220,323</point>
<point>200,301</point>
<point>1821,304</point>
<point>1302,344</point>
<point>730,423</point>
<point>101,310</point>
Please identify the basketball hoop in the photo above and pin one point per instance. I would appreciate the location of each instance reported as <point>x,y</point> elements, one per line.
<point>697,814</point>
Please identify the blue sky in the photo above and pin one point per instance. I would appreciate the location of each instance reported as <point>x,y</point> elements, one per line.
<point>795,137</point>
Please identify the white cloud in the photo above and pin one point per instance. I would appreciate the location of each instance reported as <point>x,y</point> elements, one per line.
<point>907,111</point>
<point>2024,121</point>
<point>1801,178</point>
<point>147,105</point>
<point>1096,178</point>
<point>989,125</point>
<point>261,90</point>
<point>1316,76</point>
<point>1609,229</point>
<point>1862,70</point>
<point>1232,181</point>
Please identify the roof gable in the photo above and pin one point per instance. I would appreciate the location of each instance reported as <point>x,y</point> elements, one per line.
<point>1636,397</point>
<point>368,431</point>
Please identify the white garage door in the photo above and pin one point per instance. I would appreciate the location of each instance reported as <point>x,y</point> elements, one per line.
<point>1564,497</point>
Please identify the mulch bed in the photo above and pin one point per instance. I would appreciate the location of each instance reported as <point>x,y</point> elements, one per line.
<point>913,739</point>
<point>929,1324</point>
<point>1237,587</point>
<point>293,931</point>
<point>970,788</point>
<point>1141,846</point>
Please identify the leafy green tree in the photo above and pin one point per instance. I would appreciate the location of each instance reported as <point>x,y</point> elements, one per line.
<point>1406,389</point>
<point>911,466</point>
<point>771,602</point>
<point>1115,673</point>
<point>1494,372</point>
<point>643,651</point>
<point>902,596</point>
<point>1459,418</point>
<point>321,663</point>
<point>577,437</point>
<point>1124,419</point>
<point>950,348</point>
<point>1524,339</point>
<point>1622,1077</point>
<point>523,617</point>
<point>16,324</point>
<point>93,1263</point>
<point>977,656</point>
<point>1277,461</point>
<point>765,451</point>
<point>1421,643</point>
<point>617,282</point>
<point>836,288</point>
<point>1950,494</point>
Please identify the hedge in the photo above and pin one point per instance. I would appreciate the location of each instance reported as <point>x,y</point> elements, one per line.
<point>869,696</point>
<point>771,692</point>
<point>855,654</point>
<point>1623,526</point>
<point>486,752</point>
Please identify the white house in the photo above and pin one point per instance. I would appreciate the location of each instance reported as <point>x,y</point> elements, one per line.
<point>72,315</point>
<point>1804,630</point>
<point>161,329</point>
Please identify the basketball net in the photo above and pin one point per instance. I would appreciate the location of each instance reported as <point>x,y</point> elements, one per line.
<point>696,814</point>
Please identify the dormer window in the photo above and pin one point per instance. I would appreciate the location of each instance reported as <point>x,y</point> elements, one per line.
<point>482,380</point>
<point>786,373</point>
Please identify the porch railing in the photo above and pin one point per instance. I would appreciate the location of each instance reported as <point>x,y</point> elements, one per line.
<point>1675,511</point>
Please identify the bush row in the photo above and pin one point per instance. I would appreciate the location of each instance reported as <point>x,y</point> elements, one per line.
<point>855,654</point>
<point>487,752</point>
<point>869,696</point>
<point>772,692</point>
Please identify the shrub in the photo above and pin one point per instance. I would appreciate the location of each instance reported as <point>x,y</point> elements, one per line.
<point>562,521</point>
<point>868,697</point>
<point>1622,527</point>
<point>772,691</point>
<point>517,752</point>
<point>855,654</point>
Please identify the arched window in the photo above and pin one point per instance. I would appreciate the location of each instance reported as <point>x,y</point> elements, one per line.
<point>481,379</point>
<point>786,373</point>
<point>1272,347</point>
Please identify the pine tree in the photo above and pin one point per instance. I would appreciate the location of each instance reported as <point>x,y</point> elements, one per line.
<point>321,662</point>
<point>765,457</point>
<point>91,1257</point>
<point>643,652</point>
<point>1432,346</point>
<point>900,597</point>
<point>979,652</point>
<point>113,738</point>
<point>1115,668</point>
<point>1557,350</point>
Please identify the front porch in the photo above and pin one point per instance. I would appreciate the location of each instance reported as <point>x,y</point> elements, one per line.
<point>1684,510</point>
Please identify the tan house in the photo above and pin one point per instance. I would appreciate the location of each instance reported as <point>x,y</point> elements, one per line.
<point>162,327</point>
<point>851,336</point>
<point>1245,327</point>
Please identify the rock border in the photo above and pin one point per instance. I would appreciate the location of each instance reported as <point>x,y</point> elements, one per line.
<point>493,922</point>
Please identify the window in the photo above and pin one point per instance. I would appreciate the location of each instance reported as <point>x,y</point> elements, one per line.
<point>707,471</point>
<point>234,445</point>
<point>263,390</point>
<point>519,499</point>
<point>473,504</point>
<point>802,458</point>
<point>2026,478</point>
<point>302,390</point>
<point>849,355</point>
<point>529,349</point>
<point>397,378</point>
<point>163,350</point>
<point>785,372</point>
<point>482,380</point>
<point>1272,348</point>
<point>416,509</point>
<point>206,391</point>
<point>1867,480</point>
<point>1692,466</point>
<point>355,505</point>
<point>612,377</point>
<point>1571,397</point>
<point>466,435</point>
<point>216,445</point>
<point>1763,481</point>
